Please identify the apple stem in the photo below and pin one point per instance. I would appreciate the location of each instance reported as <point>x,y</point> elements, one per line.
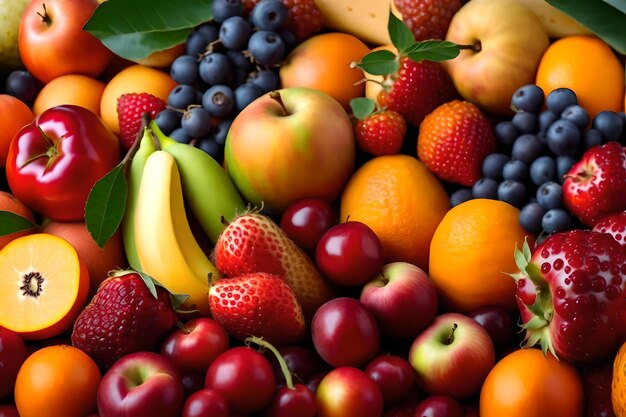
<point>384,278</point>
<point>476,46</point>
<point>275,95</point>
<point>450,338</point>
<point>281,361</point>
<point>45,17</point>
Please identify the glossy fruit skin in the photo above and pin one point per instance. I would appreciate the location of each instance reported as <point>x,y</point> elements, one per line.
<point>306,220</point>
<point>393,375</point>
<point>297,401</point>
<point>597,382</point>
<point>8,411</point>
<point>439,406</point>
<point>498,323</point>
<point>348,392</point>
<point>206,402</point>
<point>244,377</point>
<point>12,354</point>
<point>615,225</point>
<point>303,362</point>
<point>57,186</point>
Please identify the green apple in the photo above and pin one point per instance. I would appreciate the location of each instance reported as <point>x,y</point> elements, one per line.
<point>10,16</point>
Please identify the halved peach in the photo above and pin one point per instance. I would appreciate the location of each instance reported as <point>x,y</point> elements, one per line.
<point>43,286</point>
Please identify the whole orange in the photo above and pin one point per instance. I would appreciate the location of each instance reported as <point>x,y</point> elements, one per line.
<point>323,62</point>
<point>526,383</point>
<point>57,381</point>
<point>80,90</point>
<point>618,384</point>
<point>589,67</point>
<point>14,114</point>
<point>401,201</point>
<point>471,253</point>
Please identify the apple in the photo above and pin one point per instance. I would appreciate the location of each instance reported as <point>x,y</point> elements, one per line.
<point>12,354</point>
<point>348,392</point>
<point>206,402</point>
<point>10,16</point>
<point>507,41</point>
<point>306,142</point>
<point>141,384</point>
<point>52,41</point>
<point>402,298</point>
<point>452,356</point>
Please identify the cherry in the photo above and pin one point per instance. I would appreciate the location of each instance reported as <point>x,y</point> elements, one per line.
<point>315,380</point>
<point>498,323</point>
<point>393,375</point>
<point>302,362</point>
<point>306,220</point>
<point>206,402</point>
<point>439,406</point>
<point>349,254</point>
<point>192,382</point>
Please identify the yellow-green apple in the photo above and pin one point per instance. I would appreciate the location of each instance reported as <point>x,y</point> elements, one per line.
<point>290,144</point>
<point>52,41</point>
<point>507,42</point>
<point>10,16</point>
<point>141,384</point>
<point>452,356</point>
<point>402,298</point>
<point>348,392</point>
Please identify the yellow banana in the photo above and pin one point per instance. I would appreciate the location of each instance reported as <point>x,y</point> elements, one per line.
<point>556,23</point>
<point>166,247</point>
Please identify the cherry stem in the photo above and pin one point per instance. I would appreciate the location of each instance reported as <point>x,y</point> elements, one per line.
<point>275,95</point>
<point>45,17</point>
<point>450,338</point>
<point>281,361</point>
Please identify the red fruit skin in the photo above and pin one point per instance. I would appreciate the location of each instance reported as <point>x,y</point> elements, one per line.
<point>428,19</point>
<point>613,224</point>
<point>297,401</point>
<point>130,107</point>
<point>595,186</point>
<point>584,272</point>
<point>597,379</point>
<point>123,317</point>
<point>306,220</point>
<point>380,133</point>
<point>13,353</point>
<point>417,89</point>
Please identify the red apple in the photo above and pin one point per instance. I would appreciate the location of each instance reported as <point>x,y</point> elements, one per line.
<point>52,41</point>
<point>402,298</point>
<point>206,402</point>
<point>141,384</point>
<point>13,353</point>
<point>452,356</point>
<point>348,392</point>
<point>193,346</point>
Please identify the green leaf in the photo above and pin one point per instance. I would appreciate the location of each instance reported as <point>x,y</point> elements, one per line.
<point>526,250</point>
<point>135,29</point>
<point>433,50</point>
<point>362,107</point>
<point>381,62</point>
<point>520,260</point>
<point>400,34</point>
<point>618,4</point>
<point>106,204</point>
<point>150,282</point>
<point>600,17</point>
<point>11,222</point>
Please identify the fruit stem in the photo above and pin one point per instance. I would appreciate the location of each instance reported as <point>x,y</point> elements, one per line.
<point>224,221</point>
<point>281,361</point>
<point>450,338</point>
<point>476,46</point>
<point>384,278</point>
<point>45,17</point>
<point>145,121</point>
<point>275,95</point>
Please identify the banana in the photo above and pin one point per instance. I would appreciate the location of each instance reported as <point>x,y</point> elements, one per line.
<point>166,247</point>
<point>556,23</point>
<point>208,189</point>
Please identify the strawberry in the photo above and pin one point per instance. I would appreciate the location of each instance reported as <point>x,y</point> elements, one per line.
<point>127,314</point>
<point>570,293</point>
<point>130,107</point>
<point>613,224</point>
<point>428,19</point>
<point>596,185</point>
<point>305,18</point>
<point>257,304</point>
<point>378,132</point>
<point>454,140</point>
<point>252,243</point>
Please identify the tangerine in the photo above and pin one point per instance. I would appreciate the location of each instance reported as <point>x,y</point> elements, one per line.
<point>14,114</point>
<point>79,90</point>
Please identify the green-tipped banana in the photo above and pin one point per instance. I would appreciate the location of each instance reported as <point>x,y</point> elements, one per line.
<point>146,147</point>
<point>208,189</point>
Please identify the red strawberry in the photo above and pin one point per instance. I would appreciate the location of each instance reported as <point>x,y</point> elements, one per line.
<point>378,132</point>
<point>596,185</point>
<point>253,243</point>
<point>428,19</point>
<point>257,304</point>
<point>613,224</point>
<point>571,295</point>
<point>130,107</point>
<point>454,140</point>
<point>305,18</point>
<point>124,316</point>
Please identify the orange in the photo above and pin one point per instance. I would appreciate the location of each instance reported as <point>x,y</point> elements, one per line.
<point>55,381</point>
<point>323,62</point>
<point>80,90</point>
<point>471,252</point>
<point>525,383</point>
<point>589,67</point>
<point>401,201</point>
<point>14,114</point>
<point>43,285</point>
<point>133,79</point>
<point>618,384</point>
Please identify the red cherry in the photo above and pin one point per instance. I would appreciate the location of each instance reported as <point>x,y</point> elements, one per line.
<point>206,402</point>
<point>498,323</point>
<point>306,220</point>
<point>302,362</point>
<point>439,406</point>
<point>297,401</point>
<point>393,375</point>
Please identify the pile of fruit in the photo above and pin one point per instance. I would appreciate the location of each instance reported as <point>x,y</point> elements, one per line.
<point>333,208</point>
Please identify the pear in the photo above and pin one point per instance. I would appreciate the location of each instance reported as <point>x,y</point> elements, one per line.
<point>10,16</point>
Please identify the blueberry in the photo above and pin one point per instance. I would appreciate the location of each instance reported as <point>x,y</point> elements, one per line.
<point>609,123</point>
<point>168,120</point>
<point>591,138</point>
<point>556,220</point>
<point>184,69</point>
<point>235,32</point>
<point>515,170</point>
<point>460,196</point>
<point>267,48</point>
<point>180,135</point>
<point>530,217</point>
<point>525,122</point>
<point>577,115</point>
<point>196,122</point>
<point>239,60</point>
<point>219,101</point>
<point>240,76</point>
<point>246,94</point>
<point>289,38</point>
<point>513,192</point>
<point>485,188</point>
<point>563,165</point>
<point>22,85</point>
<point>182,96</point>
<point>546,118</point>
<point>223,9</point>
<point>526,148</point>
<point>211,147</point>
<point>269,15</point>
<point>506,132</point>
<point>543,169</point>
<point>550,195</point>
<point>221,131</point>
<point>197,42</point>
<point>559,99</point>
<point>215,68</point>
<point>563,138</point>
<point>493,164</point>
<point>528,98</point>
<point>267,80</point>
